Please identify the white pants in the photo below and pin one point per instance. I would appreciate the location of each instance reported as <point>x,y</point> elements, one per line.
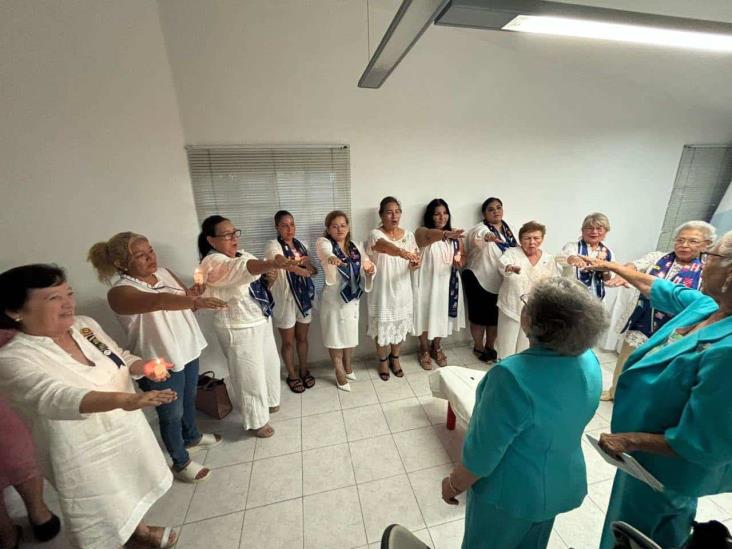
<point>511,338</point>
<point>254,371</point>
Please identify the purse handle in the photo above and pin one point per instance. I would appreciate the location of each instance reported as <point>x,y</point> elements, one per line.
<point>211,383</point>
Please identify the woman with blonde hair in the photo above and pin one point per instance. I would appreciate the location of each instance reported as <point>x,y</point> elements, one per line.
<point>348,274</point>
<point>591,243</point>
<point>155,310</point>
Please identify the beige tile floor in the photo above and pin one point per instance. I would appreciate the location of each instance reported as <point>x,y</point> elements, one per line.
<point>342,466</point>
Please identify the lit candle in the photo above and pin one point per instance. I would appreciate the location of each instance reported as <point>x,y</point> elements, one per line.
<point>159,368</point>
<point>297,256</point>
<point>368,264</point>
<point>458,257</point>
<point>198,277</point>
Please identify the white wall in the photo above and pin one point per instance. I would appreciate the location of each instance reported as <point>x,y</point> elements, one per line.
<point>555,127</point>
<point>91,143</point>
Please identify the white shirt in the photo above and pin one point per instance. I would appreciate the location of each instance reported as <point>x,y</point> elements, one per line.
<point>281,291</point>
<point>173,335</point>
<point>516,285</point>
<point>483,258</point>
<point>107,467</point>
<point>228,279</point>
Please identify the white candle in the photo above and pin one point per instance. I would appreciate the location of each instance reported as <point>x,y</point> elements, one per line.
<point>198,277</point>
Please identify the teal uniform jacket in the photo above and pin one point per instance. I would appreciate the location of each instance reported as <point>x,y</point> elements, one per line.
<point>684,391</point>
<point>524,437</point>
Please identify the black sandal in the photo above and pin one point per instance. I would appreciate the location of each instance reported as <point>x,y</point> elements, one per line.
<point>384,375</point>
<point>399,372</point>
<point>46,531</point>
<point>295,385</point>
<point>308,380</point>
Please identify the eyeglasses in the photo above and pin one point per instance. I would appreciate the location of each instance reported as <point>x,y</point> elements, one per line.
<point>524,298</point>
<point>690,241</point>
<point>704,256</point>
<point>229,236</point>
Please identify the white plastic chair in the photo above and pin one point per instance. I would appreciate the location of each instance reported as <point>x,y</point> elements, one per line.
<point>397,536</point>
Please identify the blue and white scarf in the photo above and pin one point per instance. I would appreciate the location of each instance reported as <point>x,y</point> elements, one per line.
<point>592,279</point>
<point>645,318</point>
<point>505,236</point>
<point>302,287</point>
<point>454,282</point>
<point>259,292</point>
<point>350,271</point>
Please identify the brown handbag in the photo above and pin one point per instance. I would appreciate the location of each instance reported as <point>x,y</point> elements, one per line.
<point>212,397</point>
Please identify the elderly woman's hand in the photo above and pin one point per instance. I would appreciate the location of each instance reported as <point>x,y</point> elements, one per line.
<point>490,237</point>
<point>136,401</point>
<point>617,443</point>
<point>616,282</point>
<point>449,495</point>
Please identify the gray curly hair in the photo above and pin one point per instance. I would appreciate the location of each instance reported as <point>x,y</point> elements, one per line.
<point>708,230</point>
<point>564,316</point>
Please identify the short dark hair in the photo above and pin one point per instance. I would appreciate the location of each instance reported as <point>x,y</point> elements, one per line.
<point>208,228</point>
<point>387,200</point>
<point>17,283</point>
<point>280,214</point>
<point>487,202</point>
<point>429,213</point>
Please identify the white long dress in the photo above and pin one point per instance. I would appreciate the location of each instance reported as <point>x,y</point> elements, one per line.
<point>285,313</point>
<point>432,293</point>
<point>338,319</point>
<point>246,338</point>
<point>106,467</point>
<point>511,338</point>
<point>391,305</point>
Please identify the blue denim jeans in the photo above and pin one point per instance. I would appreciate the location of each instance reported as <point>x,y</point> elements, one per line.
<point>178,418</point>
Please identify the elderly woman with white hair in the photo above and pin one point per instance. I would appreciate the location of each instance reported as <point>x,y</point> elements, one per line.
<point>682,266</point>
<point>591,243</point>
<point>522,460</point>
<point>672,410</point>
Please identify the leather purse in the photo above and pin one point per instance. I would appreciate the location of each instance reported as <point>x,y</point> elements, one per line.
<point>212,397</point>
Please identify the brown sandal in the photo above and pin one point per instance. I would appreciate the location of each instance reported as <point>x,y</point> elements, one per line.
<point>397,372</point>
<point>424,360</point>
<point>295,385</point>
<point>308,380</point>
<point>439,356</point>
<point>384,375</point>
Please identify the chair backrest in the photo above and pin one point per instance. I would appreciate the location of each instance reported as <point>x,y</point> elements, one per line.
<point>397,536</point>
<point>627,537</point>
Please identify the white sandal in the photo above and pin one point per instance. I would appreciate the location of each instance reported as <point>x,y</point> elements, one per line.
<point>208,441</point>
<point>165,540</point>
<point>190,472</point>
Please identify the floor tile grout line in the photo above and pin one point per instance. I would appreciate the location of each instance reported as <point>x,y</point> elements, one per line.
<point>355,484</point>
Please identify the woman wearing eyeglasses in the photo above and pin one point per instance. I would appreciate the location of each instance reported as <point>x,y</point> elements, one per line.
<point>672,405</point>
<point>522,267</point>
<point>155,310</point>
<point>682,266</point>
<point>244,327</point>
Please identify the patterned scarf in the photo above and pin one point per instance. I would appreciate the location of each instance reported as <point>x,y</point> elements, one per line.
<point>261,294</point>
<point>302,287</point>
<point>505,236</point>
<point>350,271</point>
<point>592,279</point>
<point>454,284</point>
<point>645,318</point>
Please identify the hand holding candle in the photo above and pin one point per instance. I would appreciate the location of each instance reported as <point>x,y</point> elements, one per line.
<point>199,277</point>
<point>157,369</point>
<point>368,266</point>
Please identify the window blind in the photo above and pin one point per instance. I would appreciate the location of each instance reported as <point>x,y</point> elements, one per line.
<point>249,184</point>
<point>701,180</point>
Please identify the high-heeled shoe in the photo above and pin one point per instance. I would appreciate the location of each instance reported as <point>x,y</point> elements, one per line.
<point>345,387</point>
<point>351,376</point>
<point>47,530</point>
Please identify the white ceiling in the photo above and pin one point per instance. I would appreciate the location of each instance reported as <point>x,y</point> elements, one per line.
<point>712,10</point>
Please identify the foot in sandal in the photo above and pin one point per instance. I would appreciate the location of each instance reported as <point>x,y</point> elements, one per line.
<point>153,536</point>
<point>264,432</point>
<point>206,442</point>
<point>192,473</point>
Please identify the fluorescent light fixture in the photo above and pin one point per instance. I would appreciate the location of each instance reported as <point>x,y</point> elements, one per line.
<point>563,26</point>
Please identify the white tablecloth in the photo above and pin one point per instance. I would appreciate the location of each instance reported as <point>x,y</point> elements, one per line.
<point>457,385</point>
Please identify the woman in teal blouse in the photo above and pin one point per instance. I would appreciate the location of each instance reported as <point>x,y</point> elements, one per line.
<point>522,459</point>
<point>673,408</point>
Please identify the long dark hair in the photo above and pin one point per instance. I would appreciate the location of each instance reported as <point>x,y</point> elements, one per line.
<point>487,203</point>
<point>16,284</point>
<point>208,228</point>
<point>429,213</point>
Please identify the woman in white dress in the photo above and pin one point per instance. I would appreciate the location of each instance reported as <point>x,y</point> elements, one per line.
<point>522,268</point>
<point>438,304</point>
<point>155,310</point>
<point>244,327</point>
<point>391,315</point>
<point>594,229</point>
<point>70,382</point>
<point>294,297</point>
<point>348,273</point>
